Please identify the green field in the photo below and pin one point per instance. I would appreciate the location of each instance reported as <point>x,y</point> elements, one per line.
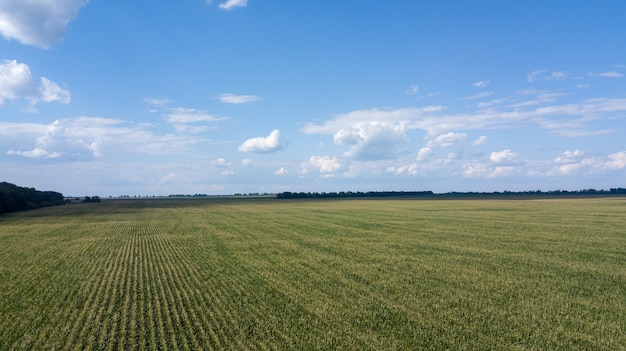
<point>315,274</point>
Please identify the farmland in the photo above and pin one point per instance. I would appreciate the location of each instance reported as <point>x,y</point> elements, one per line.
<point>390,274</point>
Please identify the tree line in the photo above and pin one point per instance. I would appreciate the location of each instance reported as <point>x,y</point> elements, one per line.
<point>16,198</point>
<point>454,194</point>
<point>324,195</point>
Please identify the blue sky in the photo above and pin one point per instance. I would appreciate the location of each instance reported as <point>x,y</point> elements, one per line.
<point>233,96</point>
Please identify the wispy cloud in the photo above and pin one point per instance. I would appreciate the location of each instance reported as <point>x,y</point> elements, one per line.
<point>237,99</point>
<point>447,139</point>
<point>481,84</point>
<point>231,4</point>
<point>189,115</point>
<point>479,96</point>
<point>532,76</point>
<point>609,74</point>
<point>413,89</point>
<point>157,102</point>
<point>557,75</point>
<point>85,138</point>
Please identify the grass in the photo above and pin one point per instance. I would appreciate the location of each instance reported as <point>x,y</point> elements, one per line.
<point>332,274</point>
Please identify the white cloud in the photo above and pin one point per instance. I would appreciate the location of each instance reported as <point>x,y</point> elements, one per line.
<point>557,75</point>
<point>447,139</point>
<point>411,169</point>
<point>480,141</point>
<point>532,76</point>
<point>617,160</point>
<point>231,4</point>
<point>166,178</point>
<point>185,120</point>
<point>50,92</point>
<point>158,102</point>
<point>413,89</point>
<point>481,84</point>
<point>323,164</point>
<point>475,170</point>
<point>35,153</point>
<point>503,171</point>
<point>189,115</point>
<point>246,162</point>
<point>503,156</point>
<point>86,138</point>
<point>570,157</point>
<point>577,162</point>
<point>221,162</point>
<point>16,82</point>
<point>610,74</point>
<point>271,143</point>
<point>372,140</point>
<point>238,99</point>
<point>39,23</point>
<point>424,154</point>
<point>374,134</point>
<point>281,171</point>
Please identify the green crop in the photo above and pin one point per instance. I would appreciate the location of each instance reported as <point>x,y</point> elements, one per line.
<point>395,274</point>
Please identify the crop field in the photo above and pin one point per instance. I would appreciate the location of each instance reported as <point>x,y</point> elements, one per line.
<point>384,274</point>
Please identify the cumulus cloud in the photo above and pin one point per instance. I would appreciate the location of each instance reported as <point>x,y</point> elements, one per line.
<point>16,82</point>
<point>570,157</point>
<point>424,154</point>
<point>577,162</point>
<point>238,99</point>
<point>373,134</point>
<point>372,140</point>
<point>382,134</point>
<point>411,169</point>
<point>322,164</point>
<point>271,143</point>
<point>503,156</point>
<point>221,162</point>
<point>40,23</point>
<point>617,160</point>
<point>480,141</point>
<point>281,171</point>
<point>231,4</point>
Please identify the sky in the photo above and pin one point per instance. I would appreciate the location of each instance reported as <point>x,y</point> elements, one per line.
<point>220,97</point>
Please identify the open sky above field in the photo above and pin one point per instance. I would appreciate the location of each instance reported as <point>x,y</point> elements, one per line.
<point>193,96</point>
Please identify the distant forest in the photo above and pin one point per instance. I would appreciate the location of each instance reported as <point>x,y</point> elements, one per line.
<point>430,194</point>
<point>16,198</point>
